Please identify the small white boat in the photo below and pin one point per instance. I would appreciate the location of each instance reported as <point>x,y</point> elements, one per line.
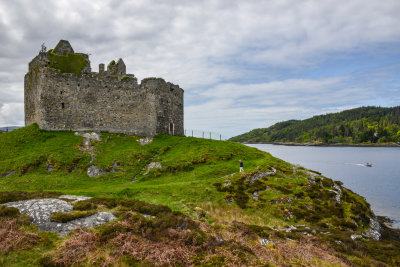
<point>368,164</point>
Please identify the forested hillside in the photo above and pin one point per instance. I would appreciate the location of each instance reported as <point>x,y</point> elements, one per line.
<point>372,125</point>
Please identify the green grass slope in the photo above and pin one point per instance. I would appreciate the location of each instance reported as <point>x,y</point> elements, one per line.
<point>365,125</point>
<point>197,197</point>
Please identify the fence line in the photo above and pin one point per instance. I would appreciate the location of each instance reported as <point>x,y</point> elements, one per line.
<point>204,134</point>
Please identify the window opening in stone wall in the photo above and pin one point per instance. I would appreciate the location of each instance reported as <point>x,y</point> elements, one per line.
<point>62,105</point>
<point>171,129</point>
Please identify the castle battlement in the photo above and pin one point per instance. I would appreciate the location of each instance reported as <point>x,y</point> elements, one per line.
<point>62,93</point>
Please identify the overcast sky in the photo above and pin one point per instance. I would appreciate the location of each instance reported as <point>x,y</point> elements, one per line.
<point>242,64</point>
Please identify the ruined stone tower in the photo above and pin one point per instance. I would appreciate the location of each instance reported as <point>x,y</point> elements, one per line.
<point>62,93</point>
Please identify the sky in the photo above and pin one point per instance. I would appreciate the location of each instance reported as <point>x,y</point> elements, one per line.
<point>242,64</point>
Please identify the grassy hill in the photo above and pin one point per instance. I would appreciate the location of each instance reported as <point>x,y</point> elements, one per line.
<point>204,212</point>
<point>364,125</point>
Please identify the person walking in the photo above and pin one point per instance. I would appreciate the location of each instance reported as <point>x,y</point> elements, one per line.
<point>241,166</point>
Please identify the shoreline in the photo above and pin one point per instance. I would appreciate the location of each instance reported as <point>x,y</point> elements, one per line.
<point>392,223</point>
<point>388,229</point>
<point>323,145</point>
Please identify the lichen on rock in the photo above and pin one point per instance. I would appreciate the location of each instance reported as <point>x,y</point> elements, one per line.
<point>41,209</point>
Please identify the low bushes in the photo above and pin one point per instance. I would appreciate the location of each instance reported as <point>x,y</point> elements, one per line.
<point>74,250</point>
<point>9,212</point>
<point>144,207</point>
<point>94,203</point>
<point>84,205</point>
<point>10,196</point>
<point>14,237</point>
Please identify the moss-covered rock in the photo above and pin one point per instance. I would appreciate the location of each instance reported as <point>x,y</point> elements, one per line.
<point>66,217</point>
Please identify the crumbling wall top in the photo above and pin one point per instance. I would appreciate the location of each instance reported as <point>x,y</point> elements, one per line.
<point>63,47</point>
<point>118,68</point>
<point>121,67</point>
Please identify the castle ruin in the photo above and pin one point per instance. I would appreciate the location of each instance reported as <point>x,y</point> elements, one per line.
<point>62,93</point>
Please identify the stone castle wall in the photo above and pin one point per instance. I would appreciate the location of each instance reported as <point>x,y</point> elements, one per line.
<point>101,101</point>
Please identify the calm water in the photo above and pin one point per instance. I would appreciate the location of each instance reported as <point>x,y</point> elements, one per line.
<point>380,184</point>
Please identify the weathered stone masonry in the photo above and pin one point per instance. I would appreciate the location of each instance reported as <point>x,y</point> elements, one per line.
<point>109,100</point>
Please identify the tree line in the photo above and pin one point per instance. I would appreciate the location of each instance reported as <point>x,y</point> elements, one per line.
<point>354,126</point>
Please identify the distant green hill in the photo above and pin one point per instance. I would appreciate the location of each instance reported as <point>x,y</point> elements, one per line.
<point>364,125</point>
<point>193,209</point>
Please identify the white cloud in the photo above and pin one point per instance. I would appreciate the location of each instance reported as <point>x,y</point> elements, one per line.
<point>12,114</point>
<point>235,108</point>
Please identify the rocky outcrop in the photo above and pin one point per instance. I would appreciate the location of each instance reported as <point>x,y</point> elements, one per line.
<point>74,198</point>
<point>263,241</point>
<point>229,200</point>
<point>337,191</point>
<point>93,171</point>
<point>255,195</point>
<point>375,229</point>
<point>227,183</point>
<point>260,175</point>
<point>145,141</point>
<point>88,138</point>
<point>7,174</point>
<point>41,209</point>
<point>153,165</point>
<point>87,147</point>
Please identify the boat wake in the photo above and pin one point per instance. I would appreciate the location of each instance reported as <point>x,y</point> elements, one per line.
<point>357,164</point>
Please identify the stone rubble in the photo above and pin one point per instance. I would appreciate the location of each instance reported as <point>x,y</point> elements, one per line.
<point>338,192</point>
<point>93,171</point>
<point>88,138</point>
<point>145,141</point>
<point>260,175</point>
<point>41,209</point>
<point>301,228</point>
<point>290,228</point>
<point>50,168</point>
<point>7,174</point>
<point>229,175</point>
<point>255,195</point>
<point>354,237</point>
<point>219,240</point>
<point>311,179</point>
<point>229,200</point>
<point>375,229</point>
<point>147,216</point>
<point>263,241</point>
<point>153,165</point>
<point>227,183</point>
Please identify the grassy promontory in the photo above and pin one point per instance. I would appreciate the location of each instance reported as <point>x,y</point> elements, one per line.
<point>198,209</point>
